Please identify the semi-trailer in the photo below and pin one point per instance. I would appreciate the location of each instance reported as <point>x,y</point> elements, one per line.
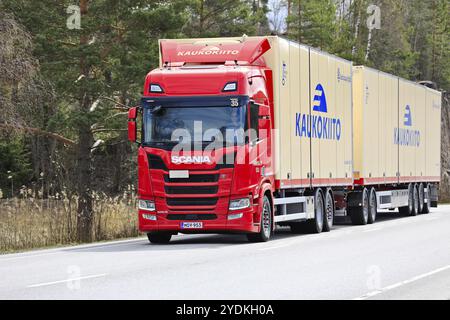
<point>241,134</point>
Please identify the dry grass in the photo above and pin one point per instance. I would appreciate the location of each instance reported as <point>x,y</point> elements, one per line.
<point>27,223</point>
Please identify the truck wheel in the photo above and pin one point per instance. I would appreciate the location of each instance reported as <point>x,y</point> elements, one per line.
<point>372,206</point>
<point>266,224</point>
<point>159,237</point>
<point>408,210</point>
<point>415,211</point>
<point>421,197</point>
<point>427,203</point>
<point>328,212</point>
<point>360,215</point>
<point>316,225</point>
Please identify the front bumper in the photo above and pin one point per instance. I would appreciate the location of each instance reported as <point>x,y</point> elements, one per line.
<point>221,224</point>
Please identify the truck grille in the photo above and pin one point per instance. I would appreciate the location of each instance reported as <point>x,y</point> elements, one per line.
<point>205,216</point>
<point>191,201</point>
<point>191,190</point>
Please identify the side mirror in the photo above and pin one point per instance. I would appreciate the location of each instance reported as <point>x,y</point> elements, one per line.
<point>132,126</point>
<point>264,117</point>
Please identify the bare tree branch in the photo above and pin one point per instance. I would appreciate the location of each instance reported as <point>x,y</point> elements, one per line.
<point>38,131</point>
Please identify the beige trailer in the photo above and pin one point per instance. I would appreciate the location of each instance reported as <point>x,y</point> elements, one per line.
<point>375,109</point>
<point>396,129</point>
<point>433,135</point>
<point>313,112</point>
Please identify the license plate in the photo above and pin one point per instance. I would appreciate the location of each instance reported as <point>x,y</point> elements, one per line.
<point>191,225</point>
<point>178,174</point>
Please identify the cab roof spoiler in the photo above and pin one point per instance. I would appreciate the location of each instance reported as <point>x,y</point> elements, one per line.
<point>244,52</point>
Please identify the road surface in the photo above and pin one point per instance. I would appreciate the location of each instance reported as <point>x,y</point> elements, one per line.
<point>396,258</point>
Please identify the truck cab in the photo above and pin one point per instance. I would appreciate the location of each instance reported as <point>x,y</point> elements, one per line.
<point>205,156</point>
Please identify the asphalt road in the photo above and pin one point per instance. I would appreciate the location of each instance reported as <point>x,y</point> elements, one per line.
<point>396,258</point>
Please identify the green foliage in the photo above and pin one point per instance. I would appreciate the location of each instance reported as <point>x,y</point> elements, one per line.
<point>15,167</point>
<point>212,18</point>
<point>90,72</point>
<point>413,42</point>
<point>314,23</point>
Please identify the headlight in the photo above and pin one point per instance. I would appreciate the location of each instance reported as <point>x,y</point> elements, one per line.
<point>147,205</point>
<point>239,204</point>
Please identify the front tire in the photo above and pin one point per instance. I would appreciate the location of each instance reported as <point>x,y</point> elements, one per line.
<point>159,237</point>
<point>265,231</point>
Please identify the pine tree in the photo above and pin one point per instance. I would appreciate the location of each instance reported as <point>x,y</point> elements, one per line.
<point>107,56</point>
<point>211,18</point>
<point>313,23</point>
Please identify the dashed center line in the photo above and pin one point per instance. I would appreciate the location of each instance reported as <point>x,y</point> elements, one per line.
<point>66,280</point>
<point>372,229</point>
<point>402,283</point>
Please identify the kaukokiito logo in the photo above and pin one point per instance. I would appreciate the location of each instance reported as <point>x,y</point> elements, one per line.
<point>405,136</point>
<point>208,50</point>
<point>318,126</point>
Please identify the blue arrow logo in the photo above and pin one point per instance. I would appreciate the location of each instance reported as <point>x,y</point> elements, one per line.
<point>320,100</point>
<point>408,117</point>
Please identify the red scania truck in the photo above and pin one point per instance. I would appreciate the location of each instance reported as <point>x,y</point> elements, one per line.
<point>241,134</point>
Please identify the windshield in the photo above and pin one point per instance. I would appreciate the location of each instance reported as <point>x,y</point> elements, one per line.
<point>168,125</point>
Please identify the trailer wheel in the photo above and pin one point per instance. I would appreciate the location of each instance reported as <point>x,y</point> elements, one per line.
<point>266,224</point>
<point>415,211</point>
<point>316,225</point>
<point>159,237</point>
<point>328,212</point>
<point>409,209</point>
<point>427,197</point>
<point>421,198</point>
<point>372,206</point>
<point>360,215</point>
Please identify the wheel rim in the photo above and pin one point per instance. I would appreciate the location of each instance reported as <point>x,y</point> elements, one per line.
<point>373,206</point>
<point>428,195</point>
<point>365,207</point>
<point>319,213</point>
<point>411,200</point>
<point>329,209</point>
<point>421,197</point>
<point>416,200</point>
<point>266,218</point>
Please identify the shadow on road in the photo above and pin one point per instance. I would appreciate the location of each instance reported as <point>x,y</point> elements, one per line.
<point>215,241</point>
<point>382,216</point>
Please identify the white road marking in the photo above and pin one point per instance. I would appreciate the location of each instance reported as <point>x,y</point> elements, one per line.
<point>276,247</point>
<point>66,280</point>
<point>29,256</point>
<point>68,249</point>
<point>372,229</point>
<point>399,284</point>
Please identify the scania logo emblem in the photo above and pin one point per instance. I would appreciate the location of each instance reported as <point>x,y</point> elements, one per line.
<point>190,159</point>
